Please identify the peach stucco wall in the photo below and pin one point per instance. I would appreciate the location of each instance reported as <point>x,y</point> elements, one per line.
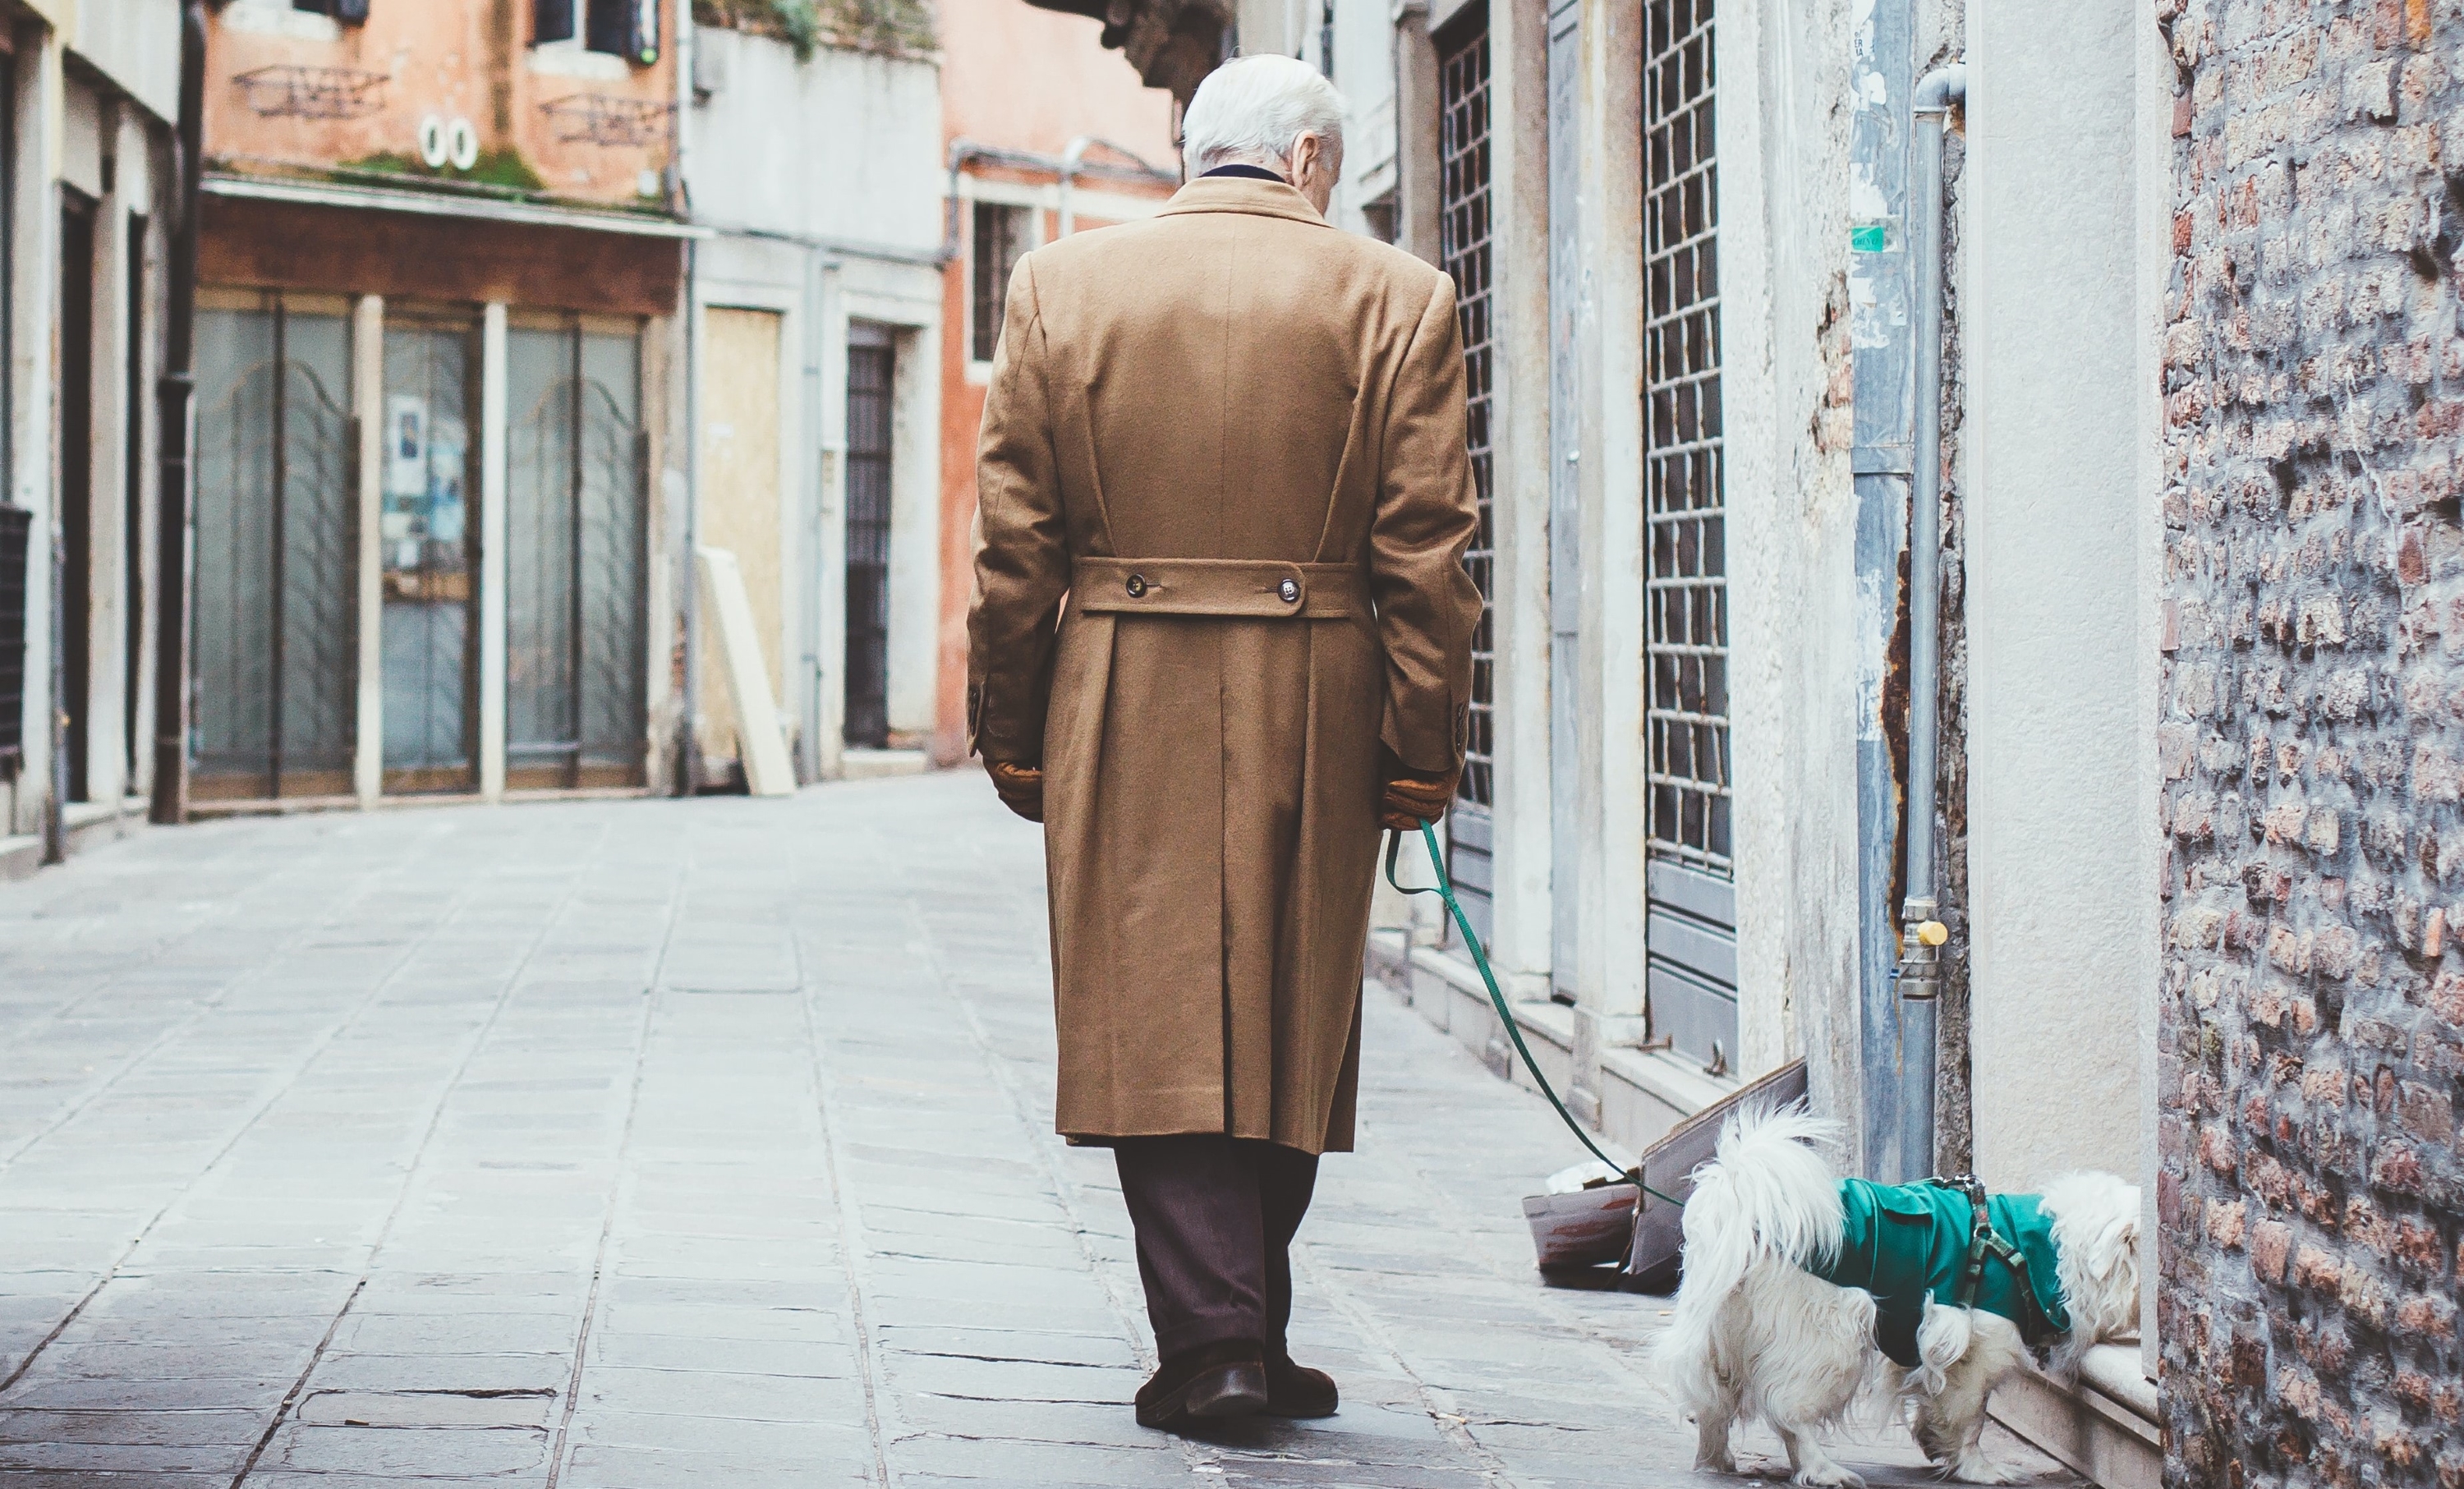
<point>470,58</point>
<point>1031,80</point>
<point>1024,79</point>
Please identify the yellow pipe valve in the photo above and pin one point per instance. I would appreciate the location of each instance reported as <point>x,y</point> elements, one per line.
<point>1933,932</point>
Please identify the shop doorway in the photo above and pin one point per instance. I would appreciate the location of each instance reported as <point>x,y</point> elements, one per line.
<point>428,542</point>
<point>76,489</point>
<point>277,588</point>
<point>575,537</point>
<point>870,368</point>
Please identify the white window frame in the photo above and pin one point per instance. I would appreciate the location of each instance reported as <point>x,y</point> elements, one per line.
<point>1037,202</point>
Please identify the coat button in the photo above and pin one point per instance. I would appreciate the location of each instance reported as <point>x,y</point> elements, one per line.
<point>1137,585</point>
<point>1290,590</point>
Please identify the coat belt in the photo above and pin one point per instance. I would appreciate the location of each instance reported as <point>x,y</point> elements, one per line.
<point>1264,588</point>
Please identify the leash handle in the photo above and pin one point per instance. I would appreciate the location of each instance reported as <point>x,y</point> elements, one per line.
<point>1444,890</point>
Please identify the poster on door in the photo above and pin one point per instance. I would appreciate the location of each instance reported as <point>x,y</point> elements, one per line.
<point>424,520</point>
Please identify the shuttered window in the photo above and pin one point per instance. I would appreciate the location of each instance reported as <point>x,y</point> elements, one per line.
<point>629,29</point>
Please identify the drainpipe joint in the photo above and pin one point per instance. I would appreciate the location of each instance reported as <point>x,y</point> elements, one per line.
<point>1921,941</point>
<point>1942,90</point>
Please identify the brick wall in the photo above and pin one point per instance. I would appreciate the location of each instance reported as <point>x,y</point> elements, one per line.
<point>2313,746</point>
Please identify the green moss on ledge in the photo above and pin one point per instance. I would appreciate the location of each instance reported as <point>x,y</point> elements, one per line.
<point>505,169</point>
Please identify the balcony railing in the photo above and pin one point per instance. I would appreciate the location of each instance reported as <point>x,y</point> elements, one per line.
<point>287,90</point>
<point>604,118</point>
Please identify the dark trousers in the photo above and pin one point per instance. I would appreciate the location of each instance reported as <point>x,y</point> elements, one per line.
<point>1214,1217</point>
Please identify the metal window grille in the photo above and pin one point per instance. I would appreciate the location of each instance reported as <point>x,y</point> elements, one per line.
<point>1000,237</point>
<point>867,544</point>
<point>15,524</point>
<point>429,626</point>
<point>576,564</point>
<point>277,582</point>
<point>1687,715</point>
<point>1463,224</point>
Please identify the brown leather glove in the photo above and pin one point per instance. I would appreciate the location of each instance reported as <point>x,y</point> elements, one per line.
<point>1411,800</point>
<point>1020,787</point>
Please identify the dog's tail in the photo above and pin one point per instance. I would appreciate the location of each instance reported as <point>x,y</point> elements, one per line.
<point>1768,1194</point>
<point>1766,1197</point>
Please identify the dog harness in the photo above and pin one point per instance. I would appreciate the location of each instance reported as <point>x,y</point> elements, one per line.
<point>1944,1239</point>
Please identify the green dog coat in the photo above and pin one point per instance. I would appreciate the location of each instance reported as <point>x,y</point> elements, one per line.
<point>1906,1242</point>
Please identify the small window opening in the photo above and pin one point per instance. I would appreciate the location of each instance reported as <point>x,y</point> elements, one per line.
<point>1000,239</point>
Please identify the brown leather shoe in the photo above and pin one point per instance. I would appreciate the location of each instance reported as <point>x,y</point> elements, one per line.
<point>1212,1383</point>
<point>1298,1391</point>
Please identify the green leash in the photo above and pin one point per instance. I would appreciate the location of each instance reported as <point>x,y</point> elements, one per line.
<point>1444,890</point>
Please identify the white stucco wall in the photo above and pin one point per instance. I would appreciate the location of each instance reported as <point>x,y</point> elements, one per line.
<point>33,260</point>
<point>135,44</point>
<point>847,145</point>
<point>1795,620</point>
<point>1519,461</point>
<point>1364,71</point>
<point>825,181</point>
<point>2063,882</point>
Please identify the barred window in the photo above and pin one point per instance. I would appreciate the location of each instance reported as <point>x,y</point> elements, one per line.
<point>1000,237</point>
<point>1463,240</point>
<point>1687,646</point>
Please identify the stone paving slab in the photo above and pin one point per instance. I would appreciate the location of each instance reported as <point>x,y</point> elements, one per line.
<point>649,1145</point>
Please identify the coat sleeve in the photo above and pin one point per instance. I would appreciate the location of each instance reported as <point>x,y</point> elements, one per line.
<point>1427,514</point>
<point>1022,551</point>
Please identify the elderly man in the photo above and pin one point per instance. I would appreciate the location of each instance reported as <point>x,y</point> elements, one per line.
<point>1220,631</point>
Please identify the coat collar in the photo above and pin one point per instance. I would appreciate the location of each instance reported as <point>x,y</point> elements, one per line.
<point>1242,194</point>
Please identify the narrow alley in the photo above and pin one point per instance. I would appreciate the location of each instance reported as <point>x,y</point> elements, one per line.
<point>636,1145</point>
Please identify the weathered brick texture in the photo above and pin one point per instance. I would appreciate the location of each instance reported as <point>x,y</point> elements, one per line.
<point>2312,1031</point>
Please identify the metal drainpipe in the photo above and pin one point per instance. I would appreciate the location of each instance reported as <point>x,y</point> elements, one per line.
<point>174,497</point>
<point>1921,933</point>
<point>56,815</point>
<point>689,737</point>
<point>815,273</point>
<point>689,742</point>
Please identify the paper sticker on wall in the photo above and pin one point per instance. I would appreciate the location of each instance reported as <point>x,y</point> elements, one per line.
<point>406,446</point>
<point>448,440</point>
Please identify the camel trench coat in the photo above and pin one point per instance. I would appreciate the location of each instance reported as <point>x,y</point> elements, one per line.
<point>1223,507</point>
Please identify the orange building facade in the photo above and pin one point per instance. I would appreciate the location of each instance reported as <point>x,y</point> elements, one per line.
<point>441,259</point>
<point>1048,133</point>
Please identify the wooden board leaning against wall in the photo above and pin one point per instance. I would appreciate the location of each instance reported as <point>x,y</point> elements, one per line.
<point>741,499</point>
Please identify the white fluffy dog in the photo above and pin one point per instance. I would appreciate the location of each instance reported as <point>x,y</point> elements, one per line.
<point>1758,1332</point>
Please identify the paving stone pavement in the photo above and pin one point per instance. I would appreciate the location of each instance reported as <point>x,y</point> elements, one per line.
<point>649,1145</point>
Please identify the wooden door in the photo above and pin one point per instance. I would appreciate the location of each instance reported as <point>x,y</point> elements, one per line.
<point>741,499</point>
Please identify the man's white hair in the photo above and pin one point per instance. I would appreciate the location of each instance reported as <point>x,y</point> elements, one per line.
<point>1250,110</point>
